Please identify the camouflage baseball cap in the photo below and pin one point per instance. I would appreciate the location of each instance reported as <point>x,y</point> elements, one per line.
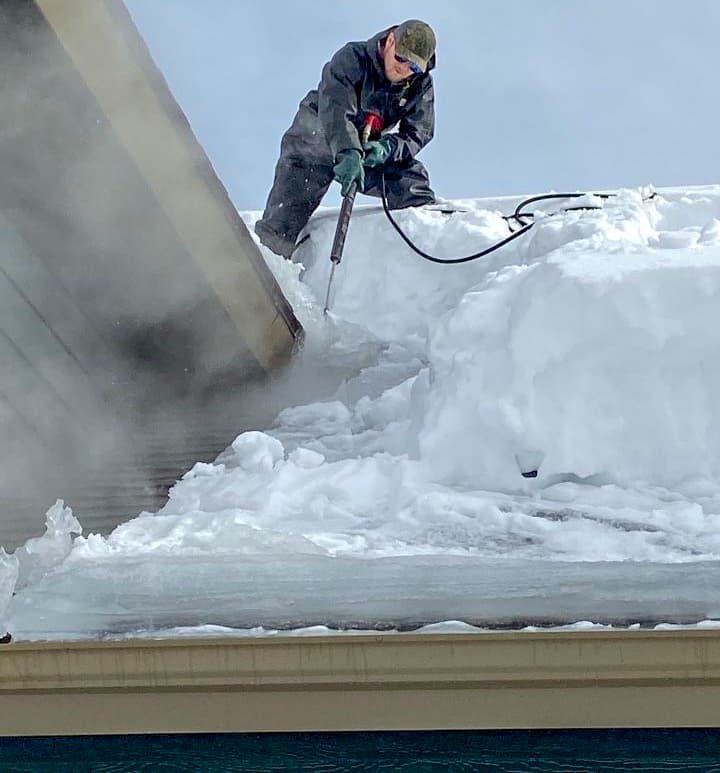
<point>415,40</point>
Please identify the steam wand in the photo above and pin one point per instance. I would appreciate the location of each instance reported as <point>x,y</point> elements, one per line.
<point>373,124</point>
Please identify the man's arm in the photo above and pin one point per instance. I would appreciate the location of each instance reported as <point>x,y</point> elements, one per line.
<point>416,128</point>
<point>337,100</point>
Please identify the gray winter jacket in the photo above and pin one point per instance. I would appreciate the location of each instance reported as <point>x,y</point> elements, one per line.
<point>353,83</point>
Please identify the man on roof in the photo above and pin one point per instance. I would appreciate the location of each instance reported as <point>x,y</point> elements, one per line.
<point>386,76</point>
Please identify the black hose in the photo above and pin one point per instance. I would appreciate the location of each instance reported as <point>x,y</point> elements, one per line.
<point>517,216</point>
<point>466,259</point>
<point>432,258</point>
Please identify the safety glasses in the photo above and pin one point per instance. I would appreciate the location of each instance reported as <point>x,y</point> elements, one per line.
<point>416,69</point>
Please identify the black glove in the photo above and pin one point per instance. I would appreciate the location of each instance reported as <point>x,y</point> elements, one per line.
<point>349,169</point>
<point>378,152</point>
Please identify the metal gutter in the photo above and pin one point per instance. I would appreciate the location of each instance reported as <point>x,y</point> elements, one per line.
<point>363,682</point>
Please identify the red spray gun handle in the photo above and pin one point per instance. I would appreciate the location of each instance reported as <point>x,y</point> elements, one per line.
<point>373,125</point>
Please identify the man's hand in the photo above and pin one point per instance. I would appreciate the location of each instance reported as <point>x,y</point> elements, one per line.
<point>378,152</point>
<point>349,169</point>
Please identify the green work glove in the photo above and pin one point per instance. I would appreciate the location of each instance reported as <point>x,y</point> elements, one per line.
<point>349,169</point>
<point>378,152</point>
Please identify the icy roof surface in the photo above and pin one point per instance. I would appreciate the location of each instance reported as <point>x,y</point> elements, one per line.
<point>586,350</point>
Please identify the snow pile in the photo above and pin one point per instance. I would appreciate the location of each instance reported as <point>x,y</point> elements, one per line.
<point>597,359</point>
<point>585,350</point>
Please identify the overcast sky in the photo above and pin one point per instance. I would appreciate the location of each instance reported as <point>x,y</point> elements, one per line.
<point>530,96</point>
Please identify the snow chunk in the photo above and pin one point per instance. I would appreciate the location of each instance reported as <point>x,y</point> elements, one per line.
<point>306,459</point>
<point>258,452</point>
<point>39,555</point>
<point>710,233</point>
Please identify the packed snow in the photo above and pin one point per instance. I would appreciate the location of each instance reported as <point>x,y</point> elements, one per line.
<point>585,350</point>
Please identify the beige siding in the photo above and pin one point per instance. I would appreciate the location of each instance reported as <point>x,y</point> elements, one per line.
<point>370,682</point>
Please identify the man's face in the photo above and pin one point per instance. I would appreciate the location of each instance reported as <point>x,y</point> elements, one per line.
<point>394,71</point>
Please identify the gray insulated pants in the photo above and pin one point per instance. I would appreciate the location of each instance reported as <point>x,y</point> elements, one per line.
<point>301,183</point>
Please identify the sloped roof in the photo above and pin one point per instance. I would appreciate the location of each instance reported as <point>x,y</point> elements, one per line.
<point>127,278</point>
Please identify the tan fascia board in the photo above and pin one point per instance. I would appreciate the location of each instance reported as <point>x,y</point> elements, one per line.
<point>363,682</point>
<point>101,41</point>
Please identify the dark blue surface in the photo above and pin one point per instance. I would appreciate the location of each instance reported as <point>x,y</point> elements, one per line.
<point>566,751</point>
